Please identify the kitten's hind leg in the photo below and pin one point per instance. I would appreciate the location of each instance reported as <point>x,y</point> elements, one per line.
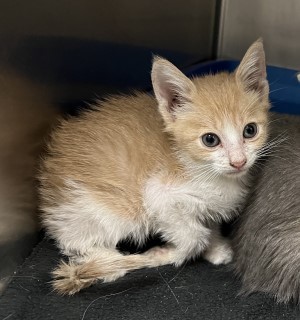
<point>161,255</point>
<point>184,242</point>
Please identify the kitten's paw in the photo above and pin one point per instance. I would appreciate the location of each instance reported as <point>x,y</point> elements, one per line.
<point>157,251</point>
<point>219,254</point>
<point>160,255</point>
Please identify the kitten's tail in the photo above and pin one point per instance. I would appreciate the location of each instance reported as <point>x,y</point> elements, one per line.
<point>71,277</point>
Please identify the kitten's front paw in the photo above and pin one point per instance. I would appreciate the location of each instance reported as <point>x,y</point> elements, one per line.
<point>219,254</point>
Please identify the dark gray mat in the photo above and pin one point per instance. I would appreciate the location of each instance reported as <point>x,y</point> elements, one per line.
<point>197,291</point>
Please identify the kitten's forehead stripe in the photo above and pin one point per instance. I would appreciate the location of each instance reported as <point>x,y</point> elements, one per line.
<point>231,134</point>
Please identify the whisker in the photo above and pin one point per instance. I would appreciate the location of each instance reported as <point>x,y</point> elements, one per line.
<point>275,81</point>
<point>275,141</point>
<point>274,120</point>
<point>214,175</point>
<point>201,178</point>
<point>278,89</point>
<point>274,156</point>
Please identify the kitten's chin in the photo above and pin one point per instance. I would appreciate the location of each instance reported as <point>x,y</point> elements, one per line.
<point>236,173</point>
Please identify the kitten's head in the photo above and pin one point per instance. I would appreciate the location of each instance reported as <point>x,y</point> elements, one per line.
<point>221,120</point>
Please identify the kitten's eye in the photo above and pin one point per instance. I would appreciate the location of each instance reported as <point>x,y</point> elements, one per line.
<point>210,140</point>
<point>250,130</point>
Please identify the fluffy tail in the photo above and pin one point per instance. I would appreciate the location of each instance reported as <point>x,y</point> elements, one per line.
<point>70,278</point>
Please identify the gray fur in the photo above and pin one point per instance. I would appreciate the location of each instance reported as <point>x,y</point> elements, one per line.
<point>267,236</point>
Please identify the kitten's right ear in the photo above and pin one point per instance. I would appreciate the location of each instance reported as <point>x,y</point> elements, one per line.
<point>252,70</point>
<point>173,90</point>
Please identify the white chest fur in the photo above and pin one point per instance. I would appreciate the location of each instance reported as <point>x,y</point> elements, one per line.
<point>213,200</point>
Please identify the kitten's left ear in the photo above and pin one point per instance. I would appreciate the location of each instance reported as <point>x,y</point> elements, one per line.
<point>173,90</point>
<point>252,70</point>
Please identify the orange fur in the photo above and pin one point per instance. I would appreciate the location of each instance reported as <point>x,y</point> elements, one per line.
<point>117,169</point>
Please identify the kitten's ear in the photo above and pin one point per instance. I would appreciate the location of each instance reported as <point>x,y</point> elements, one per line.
<point>252,70</point>
<point>173,90</point>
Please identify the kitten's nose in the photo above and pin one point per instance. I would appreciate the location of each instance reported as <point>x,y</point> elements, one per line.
<point>238,164</point>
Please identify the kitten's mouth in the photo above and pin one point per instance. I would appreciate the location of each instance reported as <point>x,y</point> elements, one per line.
<point>236,173</point>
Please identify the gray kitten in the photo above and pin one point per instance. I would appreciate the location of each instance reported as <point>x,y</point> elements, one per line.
<point>267,237</point>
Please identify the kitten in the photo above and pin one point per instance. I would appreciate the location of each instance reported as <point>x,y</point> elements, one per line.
<point>267,237</point>
<point>135,166</point>
<point>25,117</point>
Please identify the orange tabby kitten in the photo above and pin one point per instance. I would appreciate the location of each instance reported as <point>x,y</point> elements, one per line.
<point>133,166</point>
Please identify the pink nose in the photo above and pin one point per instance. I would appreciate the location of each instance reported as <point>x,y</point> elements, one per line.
<point>238,164</point>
